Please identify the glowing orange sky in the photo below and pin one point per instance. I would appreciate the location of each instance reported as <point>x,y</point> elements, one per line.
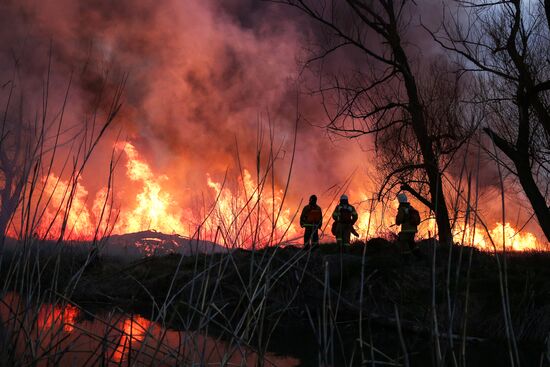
<point>209,84</point>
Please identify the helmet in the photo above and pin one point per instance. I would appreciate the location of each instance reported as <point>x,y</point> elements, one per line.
<point>402,198</point>
<point>313,199</point>
<point>344,198</point>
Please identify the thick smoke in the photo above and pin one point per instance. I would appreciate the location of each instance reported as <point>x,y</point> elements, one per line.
<point>203,77</point>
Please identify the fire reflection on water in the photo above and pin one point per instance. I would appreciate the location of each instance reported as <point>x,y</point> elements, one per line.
<point>56,334</point>
<point>134,330</point>
<point>50,316</point>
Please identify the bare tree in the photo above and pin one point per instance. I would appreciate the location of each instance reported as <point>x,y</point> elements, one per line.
<point>17,157</point>
<point>385,97</point>
<point>507,44</point>
<point>450,123</point>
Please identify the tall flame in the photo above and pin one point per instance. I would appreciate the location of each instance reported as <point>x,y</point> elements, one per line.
<point>248,214</point>
<point>240,217</point>
<point>155,208</point>
<point>66,208</point>
<point>500,237</point>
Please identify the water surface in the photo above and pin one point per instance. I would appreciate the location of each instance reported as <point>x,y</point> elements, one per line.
<point>64,335</point>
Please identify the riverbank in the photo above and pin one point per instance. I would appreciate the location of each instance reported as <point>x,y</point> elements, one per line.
<point>366,302</point>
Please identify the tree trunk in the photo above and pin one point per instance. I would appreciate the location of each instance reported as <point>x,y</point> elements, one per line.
<point>528,183</point>
<point>441,212</point>
<point>420,129</point>
<point>547,11</point>
<point>537,200</point>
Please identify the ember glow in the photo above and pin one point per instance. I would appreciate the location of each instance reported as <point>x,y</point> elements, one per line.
<point>500,237</point>
<point>246,214</point>
<point>154,207</point>
<point>66,210</point>
<point>242,214</point>
<point>252,214</point>
<point>203,78</point>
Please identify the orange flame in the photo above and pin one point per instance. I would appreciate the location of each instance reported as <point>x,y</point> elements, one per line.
<point>155,208</point>
<point>502,236</point>
<point>244,215</point>
<point>67,203</point>
<point>248,216</point>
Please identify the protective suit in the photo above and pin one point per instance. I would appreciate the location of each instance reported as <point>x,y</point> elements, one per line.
<point>311,219</point>
<point>403,218</point>
<point>344,216</point>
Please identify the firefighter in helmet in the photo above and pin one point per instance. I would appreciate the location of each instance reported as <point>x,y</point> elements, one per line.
<point>344,216</point>
<point>409,219</point>
<point>311,219</point>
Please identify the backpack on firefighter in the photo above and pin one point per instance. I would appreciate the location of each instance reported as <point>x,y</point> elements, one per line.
<point>346,217</point>
<point>406,213</point>
<point>414,216</point>
<point>334,228</point>
<point>345,214</point>
<point>314,215</point>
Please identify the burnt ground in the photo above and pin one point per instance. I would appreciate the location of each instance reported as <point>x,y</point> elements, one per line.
<point>317,305</point>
